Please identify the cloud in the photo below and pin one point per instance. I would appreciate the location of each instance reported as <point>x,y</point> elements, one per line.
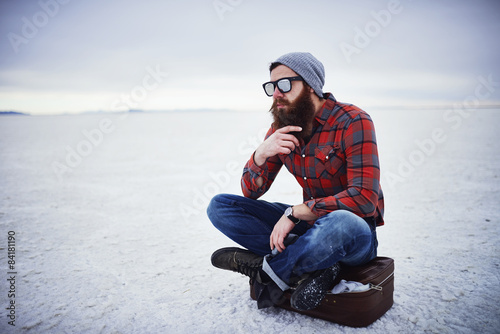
<point>99,50</point>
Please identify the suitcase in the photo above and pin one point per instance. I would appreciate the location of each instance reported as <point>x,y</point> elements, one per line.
<point>355,309</point>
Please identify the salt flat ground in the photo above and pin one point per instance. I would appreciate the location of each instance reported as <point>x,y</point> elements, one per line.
<point>111,233</point>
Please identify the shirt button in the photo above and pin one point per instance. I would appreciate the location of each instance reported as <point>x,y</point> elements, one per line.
<point>305,178</point>
<point>326,158</point>
<point>303,155</point>
<point>312,197</point>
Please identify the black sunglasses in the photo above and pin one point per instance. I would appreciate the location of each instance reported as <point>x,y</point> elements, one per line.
<point>284,85</point>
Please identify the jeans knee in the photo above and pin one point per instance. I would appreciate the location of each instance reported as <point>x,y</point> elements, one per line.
<point>342,215</point>
<point>214,206</point>
<point>217,209</point>
<point>346,224</point>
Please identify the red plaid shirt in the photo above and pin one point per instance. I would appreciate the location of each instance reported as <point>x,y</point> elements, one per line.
<point>337,169</point>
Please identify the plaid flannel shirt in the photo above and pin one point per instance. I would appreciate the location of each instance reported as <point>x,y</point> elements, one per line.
<point>337,169</point>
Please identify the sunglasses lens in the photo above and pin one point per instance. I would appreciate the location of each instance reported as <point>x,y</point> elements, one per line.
<point>285,85</point>
<point>269,88</point>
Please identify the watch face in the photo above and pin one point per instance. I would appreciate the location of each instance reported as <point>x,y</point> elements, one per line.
<point>288,211</point>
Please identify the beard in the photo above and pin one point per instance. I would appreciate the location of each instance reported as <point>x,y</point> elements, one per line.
<point>301,113</point>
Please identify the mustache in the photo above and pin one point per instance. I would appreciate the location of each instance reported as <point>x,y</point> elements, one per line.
<point>279,101</point>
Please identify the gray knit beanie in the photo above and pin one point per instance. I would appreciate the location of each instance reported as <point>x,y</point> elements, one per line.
<point>308,67</point>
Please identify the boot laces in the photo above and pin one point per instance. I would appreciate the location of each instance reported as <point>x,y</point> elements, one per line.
<point>248,269</point>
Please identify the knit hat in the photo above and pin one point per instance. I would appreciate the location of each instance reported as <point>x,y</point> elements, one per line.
<point>308,67</point>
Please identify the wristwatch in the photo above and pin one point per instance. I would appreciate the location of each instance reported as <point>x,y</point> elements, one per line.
<point>289,215</point>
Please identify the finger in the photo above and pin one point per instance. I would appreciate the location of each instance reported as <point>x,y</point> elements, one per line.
<point>290,128</point>
<point>278,242</point>
<point>281,245</point>
<point>287,138</point>
<point>271,240</point>
<point>275,243</point>
<point>284,151</point>
<point>291,139</point>
<point>286,147</point>
<point>277,247</point>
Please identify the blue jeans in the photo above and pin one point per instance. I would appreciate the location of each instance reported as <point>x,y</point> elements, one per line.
<point>340,236</point>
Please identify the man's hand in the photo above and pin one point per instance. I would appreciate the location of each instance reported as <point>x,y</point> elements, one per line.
<point>282,228</point>
<point>280,142</point>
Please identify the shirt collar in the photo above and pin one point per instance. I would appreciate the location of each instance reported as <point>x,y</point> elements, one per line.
<point>326,108</point>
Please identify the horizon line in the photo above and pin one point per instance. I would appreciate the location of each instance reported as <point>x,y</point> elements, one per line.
<point>389,107</point>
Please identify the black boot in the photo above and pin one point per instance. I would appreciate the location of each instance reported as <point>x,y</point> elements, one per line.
<point>247,263</point>
<point>239,260</point>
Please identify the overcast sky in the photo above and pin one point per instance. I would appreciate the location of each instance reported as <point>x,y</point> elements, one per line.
<point>73,56</point>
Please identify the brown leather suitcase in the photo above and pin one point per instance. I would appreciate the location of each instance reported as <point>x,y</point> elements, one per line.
<point>355,309</point>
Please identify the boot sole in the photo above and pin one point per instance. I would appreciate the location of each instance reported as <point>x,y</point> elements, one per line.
<point>311,292</point>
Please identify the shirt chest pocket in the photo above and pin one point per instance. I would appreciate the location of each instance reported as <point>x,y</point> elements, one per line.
<point>328,160</point>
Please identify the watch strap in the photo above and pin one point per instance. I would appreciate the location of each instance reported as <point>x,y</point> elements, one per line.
<point>295,220</point>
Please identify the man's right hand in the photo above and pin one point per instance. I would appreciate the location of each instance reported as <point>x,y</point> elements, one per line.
<point>280,142</point>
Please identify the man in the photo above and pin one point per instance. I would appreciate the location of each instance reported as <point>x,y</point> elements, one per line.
<point>330,148</point>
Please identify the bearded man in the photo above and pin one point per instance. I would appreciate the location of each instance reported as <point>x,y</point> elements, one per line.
<point>331,149</point>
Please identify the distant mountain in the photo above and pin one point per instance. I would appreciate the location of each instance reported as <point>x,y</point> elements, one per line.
<point>13,113</point>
